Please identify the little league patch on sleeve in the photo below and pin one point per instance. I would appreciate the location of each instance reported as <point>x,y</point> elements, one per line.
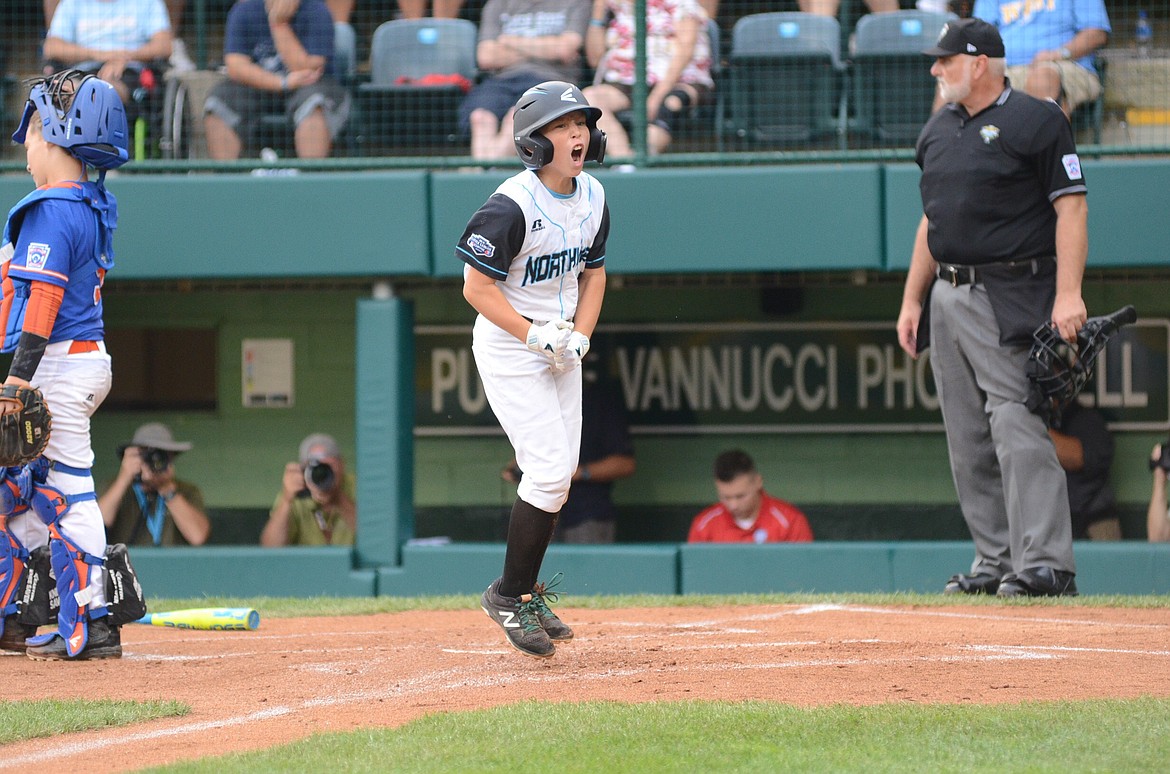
<point>1072,165</point>
<point>38,254</point>
<point>480,245</point>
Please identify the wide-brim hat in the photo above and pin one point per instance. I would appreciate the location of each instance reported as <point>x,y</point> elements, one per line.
<point>156,435</point>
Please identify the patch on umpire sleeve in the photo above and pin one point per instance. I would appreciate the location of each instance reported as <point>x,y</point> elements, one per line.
<point>481,246</point>
<point>1072,165</point>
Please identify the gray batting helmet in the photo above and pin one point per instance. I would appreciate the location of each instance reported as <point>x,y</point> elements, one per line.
<point>538,107</point>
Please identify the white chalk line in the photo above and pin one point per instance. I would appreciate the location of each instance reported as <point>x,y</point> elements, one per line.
<point>456,678</point>
<point>76,748</point>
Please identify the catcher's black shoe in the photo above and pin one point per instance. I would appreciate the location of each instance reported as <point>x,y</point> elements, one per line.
<point>554,627</point>
<point>519,619</point>
<point>1038,582</point>
<point>15,634</point>
<point>105,641</point>
<point>979,583</point>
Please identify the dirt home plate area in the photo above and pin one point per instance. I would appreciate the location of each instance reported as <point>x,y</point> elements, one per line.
<point>295,677</point>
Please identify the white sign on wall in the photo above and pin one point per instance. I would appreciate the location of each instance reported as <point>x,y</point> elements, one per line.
<point>267,373</point>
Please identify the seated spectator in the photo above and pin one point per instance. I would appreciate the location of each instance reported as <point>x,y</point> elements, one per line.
<point>277,54</point>
<point>147,504</point>
<point>521,43</point>
<point>316,505</point>
<point>124,42</point>
<point>180,60</point>
<point>1050,46</point>
<point>1157,515</point>
<point>1085,450</point>
<point>678,67</point>
<point>746,513</point>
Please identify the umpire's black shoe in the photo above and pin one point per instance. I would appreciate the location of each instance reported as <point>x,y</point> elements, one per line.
<point>979,583</point>
<point>1038,582</point>
<point>104,641</point>
<point>15,634</point>
<point>520,620</point>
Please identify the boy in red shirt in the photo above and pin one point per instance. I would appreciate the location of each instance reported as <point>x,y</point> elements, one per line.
<point>746,513</point>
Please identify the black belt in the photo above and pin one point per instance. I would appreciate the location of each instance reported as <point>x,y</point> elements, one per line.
<point>971,275</point>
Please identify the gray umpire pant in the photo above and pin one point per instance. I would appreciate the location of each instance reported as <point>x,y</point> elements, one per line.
<point>1011,488</point>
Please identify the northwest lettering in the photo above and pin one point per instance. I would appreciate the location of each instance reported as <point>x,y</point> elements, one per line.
<point>544,267</point>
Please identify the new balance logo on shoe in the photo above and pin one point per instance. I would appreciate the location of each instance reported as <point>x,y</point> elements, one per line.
<point>518,617</point>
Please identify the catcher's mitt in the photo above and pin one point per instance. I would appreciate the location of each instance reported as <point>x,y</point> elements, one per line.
<point>24,431</point>
<point>1058,371</point>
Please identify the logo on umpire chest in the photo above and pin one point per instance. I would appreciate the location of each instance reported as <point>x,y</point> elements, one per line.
<point>989,133</point>
<point>481,246</point>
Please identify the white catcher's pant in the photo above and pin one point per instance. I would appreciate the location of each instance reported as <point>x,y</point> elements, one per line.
<point>73,386</point>
<point>539,409</point>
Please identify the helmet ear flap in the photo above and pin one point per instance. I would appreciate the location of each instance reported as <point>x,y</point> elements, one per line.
<point>540,149</point>
<point>596,149</point>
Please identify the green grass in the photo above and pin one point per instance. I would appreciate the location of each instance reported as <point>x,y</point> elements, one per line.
<point>20,720</point>
<point>1107,736</point>
<point>1087,736</point>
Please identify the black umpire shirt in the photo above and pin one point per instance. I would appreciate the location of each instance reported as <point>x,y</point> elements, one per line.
<point>989,180</point>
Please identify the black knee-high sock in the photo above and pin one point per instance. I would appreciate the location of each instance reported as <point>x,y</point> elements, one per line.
<point>534,574</point>
<point>529,532</point>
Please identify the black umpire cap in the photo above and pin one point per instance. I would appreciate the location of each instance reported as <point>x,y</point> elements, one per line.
<point>972,36</point>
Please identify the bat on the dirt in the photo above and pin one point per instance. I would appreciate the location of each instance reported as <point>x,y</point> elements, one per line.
<point>216,618</point>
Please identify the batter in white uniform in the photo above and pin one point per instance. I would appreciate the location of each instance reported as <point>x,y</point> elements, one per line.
<point>535,255</point>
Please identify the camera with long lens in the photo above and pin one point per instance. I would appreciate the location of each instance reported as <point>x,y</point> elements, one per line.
<point>319,474</point>
<point>1162,461</point>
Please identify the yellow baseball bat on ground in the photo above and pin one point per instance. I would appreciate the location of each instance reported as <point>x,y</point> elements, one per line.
<point>213,618</point>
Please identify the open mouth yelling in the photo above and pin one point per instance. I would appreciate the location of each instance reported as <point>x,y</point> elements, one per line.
<point>578,154</point>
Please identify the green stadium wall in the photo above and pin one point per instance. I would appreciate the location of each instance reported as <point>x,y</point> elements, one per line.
<point>296,256</point>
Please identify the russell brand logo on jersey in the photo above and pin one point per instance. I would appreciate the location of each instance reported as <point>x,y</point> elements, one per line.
<point>537,225</point>
<point>481,246</point>
<point>546,267</point>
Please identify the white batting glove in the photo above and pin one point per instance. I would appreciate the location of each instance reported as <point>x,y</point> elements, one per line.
<point>551,338</point>
<point>574,352</point>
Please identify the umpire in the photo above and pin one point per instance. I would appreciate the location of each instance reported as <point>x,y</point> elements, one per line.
<point>1000,250</point>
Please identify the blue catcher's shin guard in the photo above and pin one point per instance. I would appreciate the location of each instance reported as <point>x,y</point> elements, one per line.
<point>71,565</point>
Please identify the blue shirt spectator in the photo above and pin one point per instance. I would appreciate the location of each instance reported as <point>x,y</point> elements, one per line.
<point>1050,46</point>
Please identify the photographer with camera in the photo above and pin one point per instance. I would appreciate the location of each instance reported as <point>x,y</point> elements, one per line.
<point>146,504</point>
<point>315,506</point>
<point>1157,516</point>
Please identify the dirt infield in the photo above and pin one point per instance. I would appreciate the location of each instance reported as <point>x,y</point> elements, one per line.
<point>295,677</point>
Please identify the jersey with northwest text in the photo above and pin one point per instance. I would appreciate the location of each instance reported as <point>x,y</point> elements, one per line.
<point>536,243</point>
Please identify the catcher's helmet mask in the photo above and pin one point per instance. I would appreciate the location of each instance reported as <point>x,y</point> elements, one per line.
<point>80,113</point>
<point>1056,372</point>
<point>540,106</point>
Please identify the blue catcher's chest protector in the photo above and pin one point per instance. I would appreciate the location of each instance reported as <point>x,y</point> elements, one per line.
<point>104,209</point>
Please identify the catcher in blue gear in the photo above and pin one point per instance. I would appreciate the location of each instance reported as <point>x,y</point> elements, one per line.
<point>57,248</point>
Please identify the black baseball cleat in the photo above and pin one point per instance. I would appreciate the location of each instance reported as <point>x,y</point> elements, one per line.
<point>1038,582</point>
<point>15,634</point>
<point>104,642</point>
<point>979,583</point>
<point>519,618</point>
<point>556,629</point>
